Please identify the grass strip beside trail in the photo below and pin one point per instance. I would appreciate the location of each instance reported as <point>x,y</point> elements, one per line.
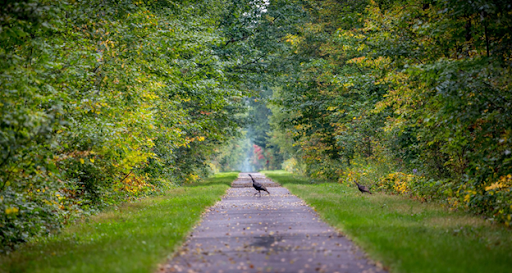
<point>133,238</point>
<point>404,234</point>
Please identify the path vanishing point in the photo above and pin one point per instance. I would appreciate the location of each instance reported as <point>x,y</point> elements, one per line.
<point>272,233</point>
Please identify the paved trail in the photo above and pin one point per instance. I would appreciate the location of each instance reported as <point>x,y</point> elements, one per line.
<point>276,233</point>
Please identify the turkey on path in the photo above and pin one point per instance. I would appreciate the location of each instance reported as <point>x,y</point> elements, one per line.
<point>258,186</point>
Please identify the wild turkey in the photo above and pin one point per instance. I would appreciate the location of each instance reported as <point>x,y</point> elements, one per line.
<point>362,188</point>
<point>258,186</point>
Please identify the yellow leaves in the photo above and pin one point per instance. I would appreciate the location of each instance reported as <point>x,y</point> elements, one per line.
<point>82,161</point>
<point>467,198</point>
<point>357,60</point>
<point>504,182</point>
<point>361,47</point>
<point>198,138</point>
<point>133,184</point>
<point>11,210</point>
<point>292,39</point>
<point>191,178</point>
<point>149,96</point>
<point>149,143</point>
<point>493,186</point>
<point>399,182</point>
<point>106,43</point>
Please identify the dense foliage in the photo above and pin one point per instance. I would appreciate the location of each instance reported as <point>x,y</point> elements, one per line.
<point>106,100</point>
<point>420,86</point>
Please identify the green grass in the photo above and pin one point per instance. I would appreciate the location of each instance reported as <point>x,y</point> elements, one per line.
<point>406,235</point>
<point>133,238</point>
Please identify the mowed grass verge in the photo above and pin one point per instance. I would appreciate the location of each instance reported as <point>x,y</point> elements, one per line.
<point>134,238</point>
<point>404,234</point>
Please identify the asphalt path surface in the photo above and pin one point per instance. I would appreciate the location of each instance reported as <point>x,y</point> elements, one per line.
<point>272,233</point>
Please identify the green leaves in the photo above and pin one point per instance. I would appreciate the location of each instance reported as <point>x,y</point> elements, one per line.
<point>423,85</point>
<point>102,102</point>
